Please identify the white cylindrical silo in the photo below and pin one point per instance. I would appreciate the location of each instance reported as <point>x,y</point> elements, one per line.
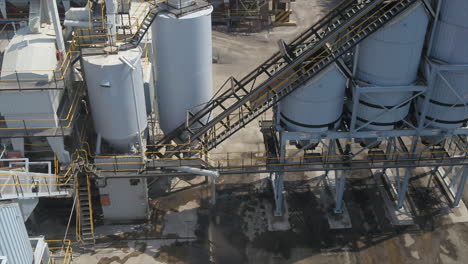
<point>317,106</point>
<point>390,57</point>
<point>447,106</point>
<point>183,61</point>
<point>14,240</point>
<point>117,97</point>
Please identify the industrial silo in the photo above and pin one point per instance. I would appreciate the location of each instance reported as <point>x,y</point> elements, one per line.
<point>447,105</point>
<point>116,94</point>
<point>183,60</point>
<point>317,106</point>
<point>390,57</point>
<point>14,240</point>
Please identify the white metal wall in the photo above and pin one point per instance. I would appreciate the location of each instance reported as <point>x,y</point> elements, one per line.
<point>14,240</point>
<point>183,60</point>
<point>117,97</point>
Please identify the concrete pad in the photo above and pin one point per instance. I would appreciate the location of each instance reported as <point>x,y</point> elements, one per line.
<point>278,223</point>
<point>335,220</point>
<point>328,197</point>
<point>458,214</point>
<point>401,216</point>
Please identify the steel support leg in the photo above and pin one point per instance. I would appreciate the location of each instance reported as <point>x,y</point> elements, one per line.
<point>339,190</point>
<point>277,179</point>
<point>277,182</point>
<point>402,188</point>
<point>461,187</point>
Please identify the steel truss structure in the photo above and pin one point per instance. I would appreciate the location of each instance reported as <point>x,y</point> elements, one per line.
<point>251,15</point>
<point>393,154</point>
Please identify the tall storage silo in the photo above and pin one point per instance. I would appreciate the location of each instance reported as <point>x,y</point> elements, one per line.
<point>183,60</point>
<point>317,106</point>
<point>117,97</point>
<point>14,240</point>
<point>390,57</point>
<point>447,107</point>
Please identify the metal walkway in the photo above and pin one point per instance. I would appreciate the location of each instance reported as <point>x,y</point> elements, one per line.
<point>98,36</point>
<point>296,63</point>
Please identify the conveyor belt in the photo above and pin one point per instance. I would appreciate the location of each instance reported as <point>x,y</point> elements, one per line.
<point>297,62</point>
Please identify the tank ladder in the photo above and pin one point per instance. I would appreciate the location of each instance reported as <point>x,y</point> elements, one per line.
<point>296,63</point>
<point>145,25</point>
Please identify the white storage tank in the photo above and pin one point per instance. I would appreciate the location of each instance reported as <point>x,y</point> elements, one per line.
<point>183,60</point>
<point>446,110</point>
<point>391,57</point>
<point>14,240</point>
<point>318,105</point>
<point>117,97</point>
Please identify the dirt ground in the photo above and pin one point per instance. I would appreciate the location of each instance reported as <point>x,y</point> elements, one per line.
<point>236,230</point>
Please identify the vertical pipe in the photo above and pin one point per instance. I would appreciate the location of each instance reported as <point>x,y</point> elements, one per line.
<point>140,141</point>
<point>433,29</point>
<point>54,16</point>
<point>339,187</point>
<point>405,183</point>
<point>3,9</point>
<point>111,20</point>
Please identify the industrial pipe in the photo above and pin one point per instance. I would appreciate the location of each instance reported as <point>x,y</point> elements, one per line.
<point>54,16</point>
<point>111,20</point>
<point>210,173</point>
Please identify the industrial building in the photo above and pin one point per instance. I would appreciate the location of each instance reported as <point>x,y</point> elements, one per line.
<point>110,112</point>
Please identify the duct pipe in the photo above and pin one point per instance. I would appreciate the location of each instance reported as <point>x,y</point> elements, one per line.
<point>98,144</point>
<point>210,173</point>
<point>54,16</point>
<point>3,9</point>
<point>111,17</point>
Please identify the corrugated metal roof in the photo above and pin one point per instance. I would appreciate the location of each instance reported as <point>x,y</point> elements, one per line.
<point>14,240</point>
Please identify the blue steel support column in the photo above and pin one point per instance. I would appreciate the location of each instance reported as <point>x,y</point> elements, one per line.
<point>339,189</point>
<point>356,95</point>
<point>403,187</point>
<point>277,178</point>
<point>461,187</point>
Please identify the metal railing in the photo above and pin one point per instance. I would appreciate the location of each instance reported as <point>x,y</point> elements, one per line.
<point>63,123</point>
<point>61,251</point>
<point>55,81</point>
<point>87,37</point>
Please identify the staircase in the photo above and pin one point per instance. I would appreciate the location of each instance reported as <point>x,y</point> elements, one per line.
<point>85,222</point>
<point>296,63</point>
<point>144,26</point>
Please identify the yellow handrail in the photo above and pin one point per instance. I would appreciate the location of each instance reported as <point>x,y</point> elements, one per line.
<point>78,211</point>
<point>70,110</point>
<point>137,24</point>
<point>91,218</point>
<point>66,256</point>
